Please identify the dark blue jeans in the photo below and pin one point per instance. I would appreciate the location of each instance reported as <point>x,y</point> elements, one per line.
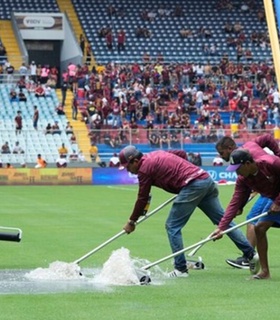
<point>204,195</point>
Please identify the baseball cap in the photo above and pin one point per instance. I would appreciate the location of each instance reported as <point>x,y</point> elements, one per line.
<point>237,158</point>
<point>127,154</point>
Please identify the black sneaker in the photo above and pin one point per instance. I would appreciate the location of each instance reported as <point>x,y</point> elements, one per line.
<point>239,263</point>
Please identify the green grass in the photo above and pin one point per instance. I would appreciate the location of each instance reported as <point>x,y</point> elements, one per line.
<point>64,223</point>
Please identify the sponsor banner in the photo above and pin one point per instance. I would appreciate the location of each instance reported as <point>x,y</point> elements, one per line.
<point>47,176</point>
<point>114,176</point>
<point>35,21</point>
<point>220,173</point>
<point>40,26</point>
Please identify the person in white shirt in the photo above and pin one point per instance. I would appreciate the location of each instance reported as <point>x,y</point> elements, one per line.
<point>276,115</point>
<point>213,49</point>
<point>48,91</point>
<point>199,99</point>
<point>117,92</point>
<point>81,156</point>
<point>149,89</point>
<point>199,70</point>
<point>17,148</point>
<point>114,161</point>
<point>218,161</point>
<point>23,71</point>
<point>33,71</point>
<point>61,162</point>
<point>276,98</point>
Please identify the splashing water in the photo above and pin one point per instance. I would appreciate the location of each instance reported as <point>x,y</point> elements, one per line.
<point>56,271</point>
<point>118,270</point>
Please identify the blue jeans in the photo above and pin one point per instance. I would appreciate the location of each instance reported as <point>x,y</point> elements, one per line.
<point>263,204</point>
<point>204,195</point>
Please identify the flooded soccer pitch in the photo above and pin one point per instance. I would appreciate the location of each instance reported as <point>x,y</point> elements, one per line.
<point>18,282</point>
<point>62,277</point>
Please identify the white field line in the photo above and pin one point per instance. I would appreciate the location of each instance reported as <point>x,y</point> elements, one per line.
<point>121,188</point>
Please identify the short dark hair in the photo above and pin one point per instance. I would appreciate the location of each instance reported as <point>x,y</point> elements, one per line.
<point>226,142</point>
<point>138,156</point>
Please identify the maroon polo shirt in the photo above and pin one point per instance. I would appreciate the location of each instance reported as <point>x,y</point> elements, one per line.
<point>266,182</point>
<point>167,170</point>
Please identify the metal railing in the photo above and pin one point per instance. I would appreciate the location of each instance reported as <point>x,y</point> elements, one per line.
<point>110,141</point>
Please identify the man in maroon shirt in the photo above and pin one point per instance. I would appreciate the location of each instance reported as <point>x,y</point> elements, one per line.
<point>225,146</point>
<point>121,40</point>
<point>18,122</point>
<point>263,176</point>
<point>194,187</point>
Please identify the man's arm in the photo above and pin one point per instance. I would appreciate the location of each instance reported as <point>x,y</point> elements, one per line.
<point>274,168</point>
<point>145,184</point>
<point>238,201</point>
<point>269,142</point>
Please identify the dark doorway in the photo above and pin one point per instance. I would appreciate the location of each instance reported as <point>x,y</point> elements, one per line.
<point>44,52</point>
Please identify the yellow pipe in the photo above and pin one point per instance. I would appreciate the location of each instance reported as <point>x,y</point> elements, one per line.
<point>274,41</point>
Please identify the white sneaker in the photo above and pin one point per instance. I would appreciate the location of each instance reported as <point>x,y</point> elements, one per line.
<point>254,264</point>
<point>178,274</point>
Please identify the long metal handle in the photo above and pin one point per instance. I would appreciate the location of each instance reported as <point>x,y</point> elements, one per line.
<point>194,251</point>
<point>123,232</point>
<point>148,266</point>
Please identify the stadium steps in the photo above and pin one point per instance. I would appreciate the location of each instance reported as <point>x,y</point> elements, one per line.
<point>9,41</point>
<point>80,129</point>
<point>67,6</point>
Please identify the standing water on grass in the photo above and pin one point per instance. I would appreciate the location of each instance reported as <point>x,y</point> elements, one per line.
<point>119,270</point>
<point>58,277</point>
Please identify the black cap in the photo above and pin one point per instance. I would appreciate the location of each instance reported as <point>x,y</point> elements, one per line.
<point>237,158</point>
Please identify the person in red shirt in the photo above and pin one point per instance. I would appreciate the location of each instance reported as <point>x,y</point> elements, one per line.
<point>109,40</point>
<point>121,40</point>
<point>54,73</point>
<point>39,91</point>
<point>170,171</point>
<point>35,117</point>
<point>258,147</point>
<point>233,106</point>
<point>18,122</point>
<point>261,175</point>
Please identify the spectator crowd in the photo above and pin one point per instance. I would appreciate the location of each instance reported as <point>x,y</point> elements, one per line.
<point>158,96</point>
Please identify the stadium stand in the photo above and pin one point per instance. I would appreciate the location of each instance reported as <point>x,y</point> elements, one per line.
<point>164,27</point>
<point>7,6</point>
<point>32,141</point>
<point>165,36</point>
